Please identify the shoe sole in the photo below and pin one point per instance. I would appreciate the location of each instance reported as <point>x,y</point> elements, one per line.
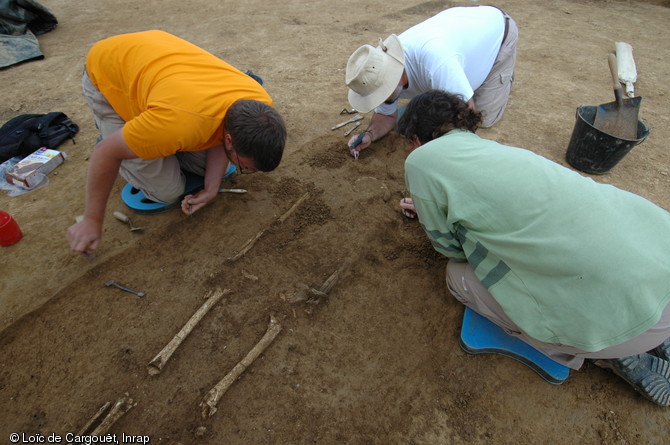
<point>654,387</point>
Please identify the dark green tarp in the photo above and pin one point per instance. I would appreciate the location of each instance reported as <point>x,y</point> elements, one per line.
<point>20,22</point>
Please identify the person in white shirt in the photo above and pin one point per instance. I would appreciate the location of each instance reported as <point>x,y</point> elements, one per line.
<point>468,51</point>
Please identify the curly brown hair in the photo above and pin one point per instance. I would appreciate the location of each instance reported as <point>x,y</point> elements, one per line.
<point>434,113</point>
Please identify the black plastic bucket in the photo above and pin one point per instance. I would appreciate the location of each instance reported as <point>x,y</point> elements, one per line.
<point>594,151</point>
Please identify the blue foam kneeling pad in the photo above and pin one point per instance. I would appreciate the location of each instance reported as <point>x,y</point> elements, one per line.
<point>139,203</point>
<point>479,336</point>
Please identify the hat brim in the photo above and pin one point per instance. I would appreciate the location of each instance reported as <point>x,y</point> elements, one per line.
<point>392,75</point>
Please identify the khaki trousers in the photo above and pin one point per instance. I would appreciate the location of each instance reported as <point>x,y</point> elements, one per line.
<point>491,97</point>
<point>466,288</point>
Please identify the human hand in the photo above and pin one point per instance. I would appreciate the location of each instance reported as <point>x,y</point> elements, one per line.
<point>358,142</point>
<point>84,237</point>
<point>407,206</point>
<point>193,203</point>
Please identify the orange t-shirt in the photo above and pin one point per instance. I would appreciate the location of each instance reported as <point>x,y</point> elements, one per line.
<point>172,94</point>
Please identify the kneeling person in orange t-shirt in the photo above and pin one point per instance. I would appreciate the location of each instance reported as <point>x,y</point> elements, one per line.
<point>165,107</point>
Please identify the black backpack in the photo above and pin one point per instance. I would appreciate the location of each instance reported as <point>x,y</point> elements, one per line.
<point>26,133</point>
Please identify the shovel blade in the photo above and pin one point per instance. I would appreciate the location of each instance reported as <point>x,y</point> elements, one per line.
<point>619,120</point>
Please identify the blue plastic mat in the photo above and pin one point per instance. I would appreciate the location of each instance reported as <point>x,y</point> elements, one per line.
<point>479,336</point>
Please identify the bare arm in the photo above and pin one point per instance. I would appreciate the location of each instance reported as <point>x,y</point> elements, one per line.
<point>380,125</point>
<point>102,172</point>
<point>217,165</point>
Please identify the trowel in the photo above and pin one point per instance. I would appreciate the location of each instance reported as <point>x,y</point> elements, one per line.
<point>618,118</point>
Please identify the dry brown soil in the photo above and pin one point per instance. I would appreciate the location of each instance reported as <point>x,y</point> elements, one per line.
<point>378,362</point>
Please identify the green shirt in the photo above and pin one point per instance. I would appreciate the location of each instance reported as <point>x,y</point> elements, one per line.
<point>571,261</point>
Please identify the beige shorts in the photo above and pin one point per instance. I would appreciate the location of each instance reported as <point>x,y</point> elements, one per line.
<point>160,179</point>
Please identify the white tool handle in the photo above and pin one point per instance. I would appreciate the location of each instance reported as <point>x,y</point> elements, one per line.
<point>626,69</point>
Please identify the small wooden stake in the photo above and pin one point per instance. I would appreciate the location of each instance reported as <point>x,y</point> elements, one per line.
<point>156,365</point>
<point>208,404</point>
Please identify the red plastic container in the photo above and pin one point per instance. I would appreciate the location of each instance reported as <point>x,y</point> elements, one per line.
<point>10,233</point>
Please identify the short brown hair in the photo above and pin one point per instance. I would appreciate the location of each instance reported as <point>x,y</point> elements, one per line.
<point>258,131</point>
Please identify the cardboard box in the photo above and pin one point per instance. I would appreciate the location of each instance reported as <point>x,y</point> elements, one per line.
<point>30,171</point>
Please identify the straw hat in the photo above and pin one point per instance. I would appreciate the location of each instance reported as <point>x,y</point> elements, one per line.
<point>373,73</point>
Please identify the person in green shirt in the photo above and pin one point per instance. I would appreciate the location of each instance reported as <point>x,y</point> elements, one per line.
<point>577,269</point>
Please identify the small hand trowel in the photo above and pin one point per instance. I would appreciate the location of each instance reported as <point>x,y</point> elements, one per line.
<point>618,118</point>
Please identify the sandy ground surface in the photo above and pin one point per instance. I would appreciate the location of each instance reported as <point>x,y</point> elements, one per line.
<point>378,361</point>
